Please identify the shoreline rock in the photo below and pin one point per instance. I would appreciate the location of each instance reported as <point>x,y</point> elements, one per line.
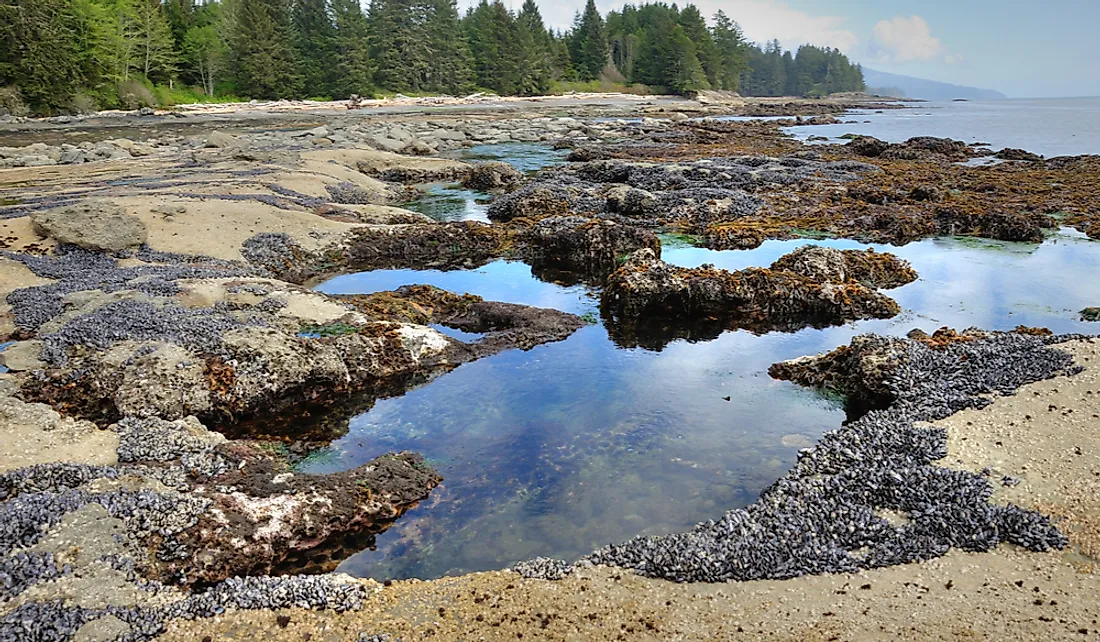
<point>652,302</point>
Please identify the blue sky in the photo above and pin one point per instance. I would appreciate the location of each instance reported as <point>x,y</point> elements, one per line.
<point>1023,48</point>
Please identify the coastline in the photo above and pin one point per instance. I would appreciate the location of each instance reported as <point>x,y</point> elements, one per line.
<point>230,224</point>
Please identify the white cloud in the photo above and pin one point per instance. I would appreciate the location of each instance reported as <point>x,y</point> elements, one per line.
<point>761,20</point>
<point>905,39</point>
<point>764,20</point>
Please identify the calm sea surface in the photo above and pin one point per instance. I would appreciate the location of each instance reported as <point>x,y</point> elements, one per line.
<point>1047,126</point>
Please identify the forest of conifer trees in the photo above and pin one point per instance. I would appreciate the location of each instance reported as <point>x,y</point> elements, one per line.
<point>80,55</point>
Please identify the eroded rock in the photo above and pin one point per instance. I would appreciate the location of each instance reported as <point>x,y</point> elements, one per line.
<point>92,226</point>
<point>491,176</point>
<point>873,269</point>
<point>653,302</point>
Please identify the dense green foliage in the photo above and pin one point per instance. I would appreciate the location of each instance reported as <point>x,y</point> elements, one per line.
<point>74,55</point>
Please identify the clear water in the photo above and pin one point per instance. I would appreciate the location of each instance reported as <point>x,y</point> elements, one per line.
<point>576,444</point>
<point>1047,126</point>
<point>448,202</point>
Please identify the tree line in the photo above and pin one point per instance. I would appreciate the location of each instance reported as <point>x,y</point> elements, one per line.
<point>84,54</point>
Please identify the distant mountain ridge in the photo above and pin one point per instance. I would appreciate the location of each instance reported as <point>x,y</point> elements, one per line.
<point>888,83</point>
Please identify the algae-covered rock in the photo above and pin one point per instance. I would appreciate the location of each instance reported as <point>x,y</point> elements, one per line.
<point>874,269</point>
<point>492,175</point>
<point>653,301</point>
<point>1090,314</point>
<point>867,145</point>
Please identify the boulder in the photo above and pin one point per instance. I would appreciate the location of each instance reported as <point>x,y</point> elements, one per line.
<point>631,201</point>
<point>92,225</point>
<point>874,269</point>
<point>221,140</point>
<point>654,301</point>
<point>492,175</point>
<point>868,146</point>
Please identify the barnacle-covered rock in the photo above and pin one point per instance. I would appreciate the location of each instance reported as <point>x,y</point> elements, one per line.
<point>648,293</point>
<point>492,175</point>
<point>873,269</point>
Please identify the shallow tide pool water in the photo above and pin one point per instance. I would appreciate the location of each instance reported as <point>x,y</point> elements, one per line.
<point>445,202</point>
<point>576,444</point>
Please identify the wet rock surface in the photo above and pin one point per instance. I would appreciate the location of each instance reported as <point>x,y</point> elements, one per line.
<point>690,195</point>
<point>192,335</point>
<point>825,515</point>
<point>587,246</point>
<point>651,301</point>
<point>491,176</point>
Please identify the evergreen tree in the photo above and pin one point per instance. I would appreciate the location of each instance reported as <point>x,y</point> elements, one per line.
<point>667,59</point>
<point>315,38</point>
<point>399,44</point>
<point>449,68</point>
<point>536,65</point>
<point>181,15</point>
<point>730,45</point>
<point>265,65</point>
<point>38,50</point>
<point>108,49</point>
<point>491,35</point>
<point>590,47</point>
<point>706,51</point>
<point>561,58</point>
<point>156,48</point>
<point>354,68</point>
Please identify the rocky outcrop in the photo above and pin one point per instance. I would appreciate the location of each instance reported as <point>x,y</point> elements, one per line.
<point>868,146</point>
<point>587,246</point>
<point>194,509</point>
<point>36,433</point>
<point>92,226</point>
<point>492,176</point>
<point>653,302</point>
<point>860,371</point>
<point>277,521</point>
<point>873,269</point>
<point>1016,154</point>
<point>174,339</point>
<point>916,148</point>
<point>503,326</point>
<point>689,194</point>
<point>405,169</point>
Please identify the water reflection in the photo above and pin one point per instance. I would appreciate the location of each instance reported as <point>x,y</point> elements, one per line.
<point>572,445</point>
<point>447,202</point>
